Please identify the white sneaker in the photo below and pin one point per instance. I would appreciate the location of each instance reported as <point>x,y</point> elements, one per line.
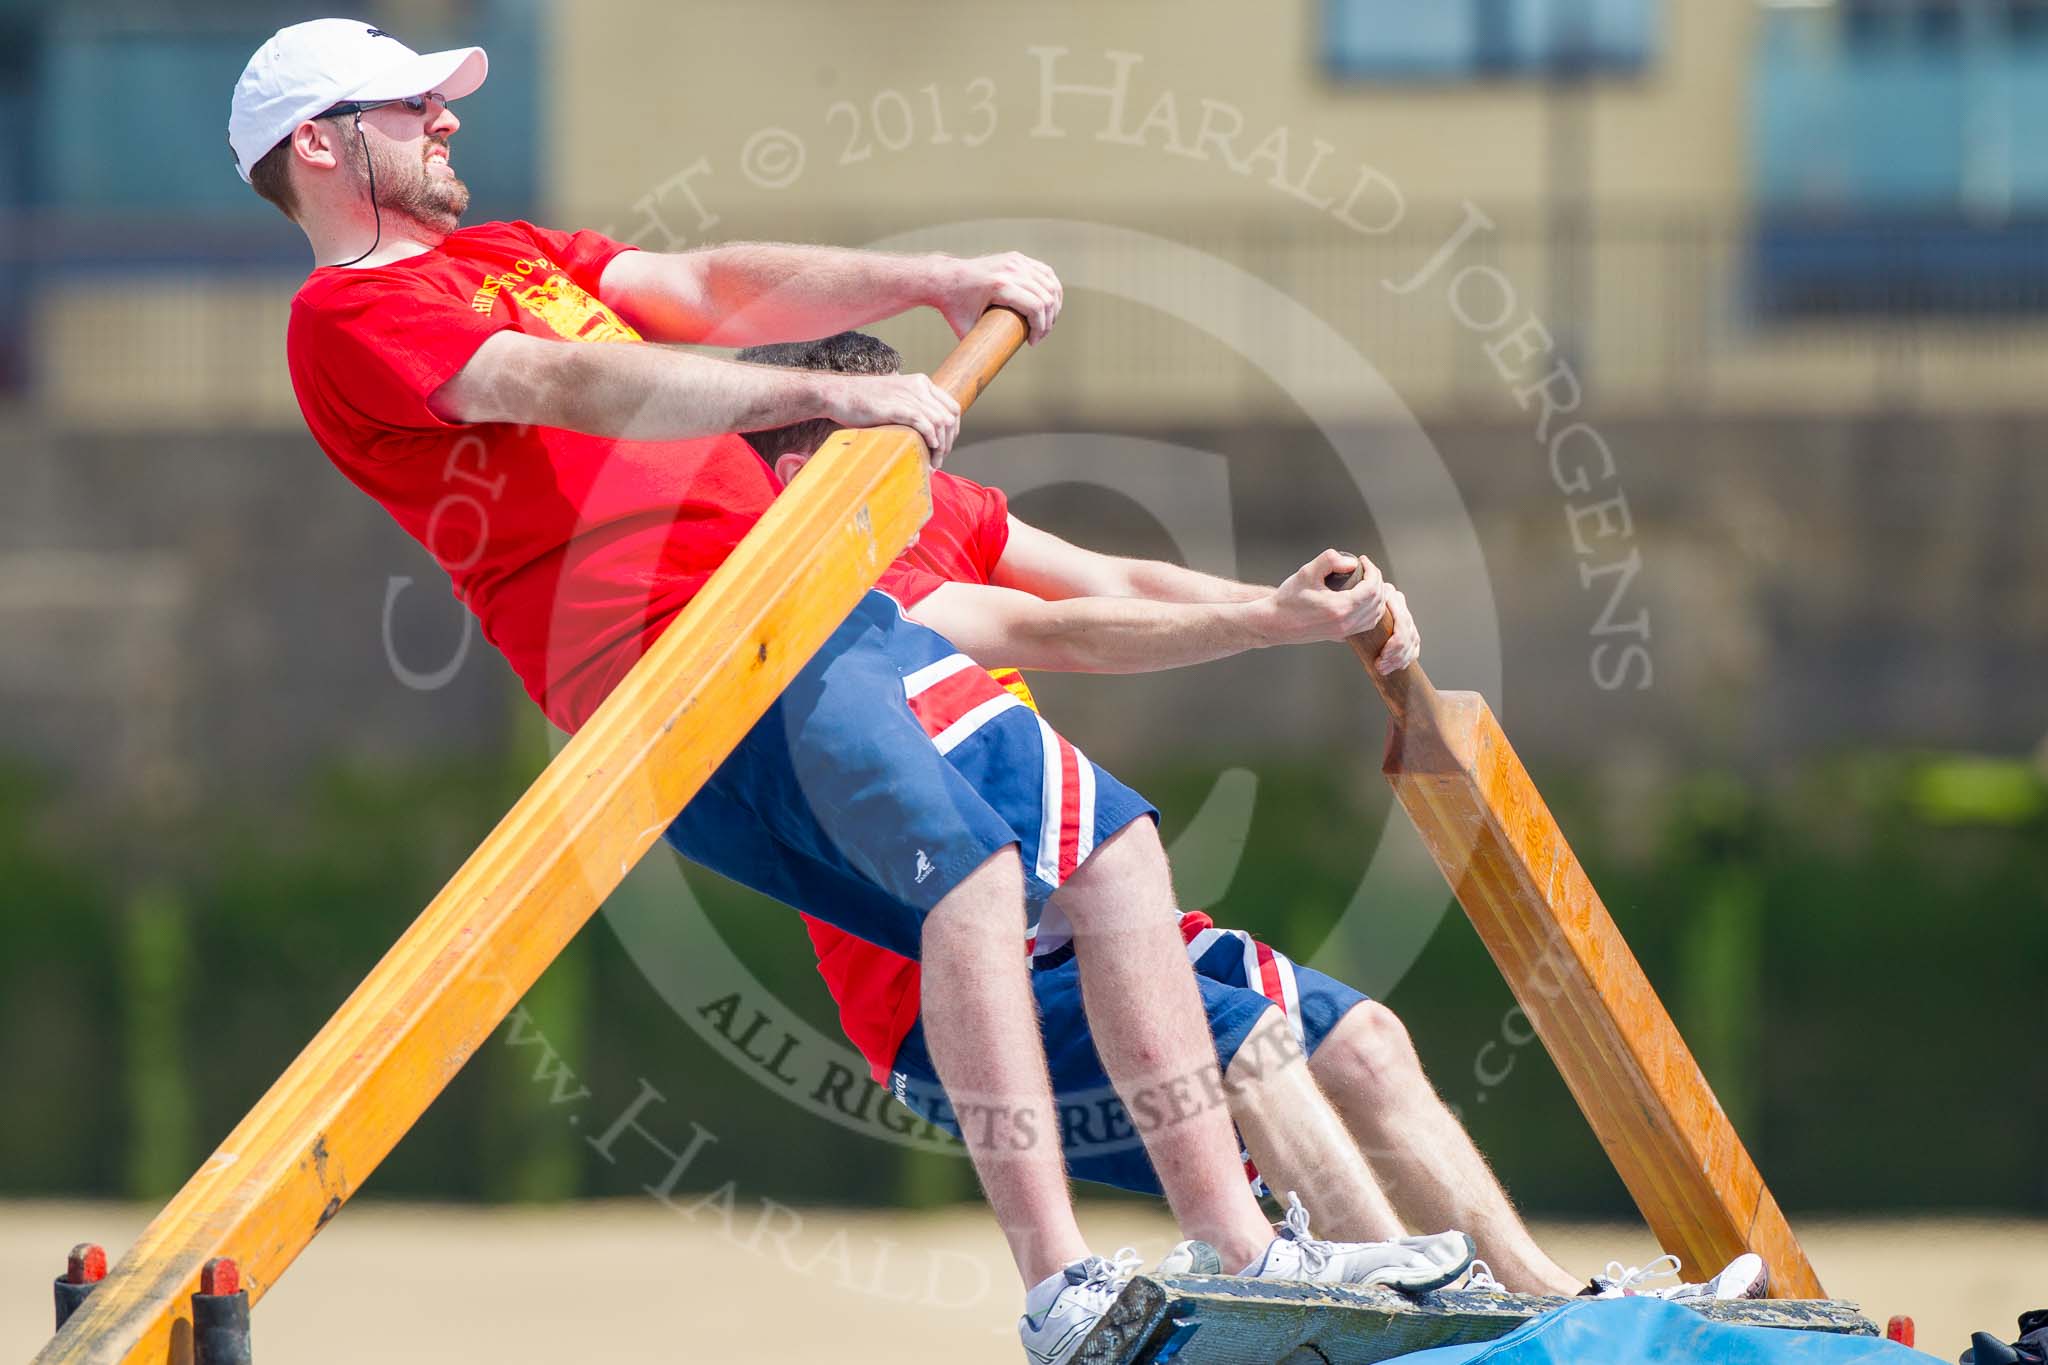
<point>1413,1265</point>
<point>1191,1258</point>
<point>1745,1277</point>
<point>1060,1310</point>
<point>1481,1281</point>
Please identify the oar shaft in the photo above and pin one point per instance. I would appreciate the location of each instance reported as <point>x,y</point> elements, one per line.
<point>982,352</point>
<point>1408,693</point>
<point>363,1081</point>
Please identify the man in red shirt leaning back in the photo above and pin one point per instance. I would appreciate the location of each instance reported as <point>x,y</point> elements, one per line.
<point>492,387</point>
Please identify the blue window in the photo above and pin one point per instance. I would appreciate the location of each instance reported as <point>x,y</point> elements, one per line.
<point>1895,162</point>
<point>158,77</point>
<point>1479,39</point>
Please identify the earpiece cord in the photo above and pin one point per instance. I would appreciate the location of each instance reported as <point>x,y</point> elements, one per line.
<point>371,167</point>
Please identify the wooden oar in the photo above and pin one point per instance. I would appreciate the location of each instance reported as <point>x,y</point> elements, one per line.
<point>1523,889</point>
<point>367,1076</point>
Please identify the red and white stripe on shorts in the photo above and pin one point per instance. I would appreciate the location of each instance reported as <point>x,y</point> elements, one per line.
<point>953,699</point>
<point>1269,973</point>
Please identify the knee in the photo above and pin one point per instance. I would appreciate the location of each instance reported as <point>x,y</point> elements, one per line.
<point>985,902</point>
<point>1126,878</point>
<point>1133,850</point>
<point>1268,1057</point>
<point>1368,1054</point>
<point>1264,1067</point>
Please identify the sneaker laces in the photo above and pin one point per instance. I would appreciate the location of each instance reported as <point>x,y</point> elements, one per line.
<point>1634,1276</point>
<point>1315,1253</point>
<point>1111,1273</point>
<point>1480,1279</point>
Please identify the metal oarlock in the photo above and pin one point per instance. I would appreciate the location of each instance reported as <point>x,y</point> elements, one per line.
<point>83,1271</point>
<point>220,1316</point>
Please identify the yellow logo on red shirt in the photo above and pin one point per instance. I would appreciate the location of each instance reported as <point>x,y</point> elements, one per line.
<point>565,306</point>
<point>1013,683</point>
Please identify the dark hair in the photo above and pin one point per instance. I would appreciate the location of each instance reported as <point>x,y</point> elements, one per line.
<point>840,353</point>
<point>271,177</point>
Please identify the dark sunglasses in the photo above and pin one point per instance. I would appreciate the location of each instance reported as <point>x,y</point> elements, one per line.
<point>415,103</point>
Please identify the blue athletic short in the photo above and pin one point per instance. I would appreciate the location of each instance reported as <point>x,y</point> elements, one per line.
<point>889,769</point>
<point>1239,979</point>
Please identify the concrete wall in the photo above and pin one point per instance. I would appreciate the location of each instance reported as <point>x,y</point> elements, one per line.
<point>202,618</point>
<point>1801,587</point>
<point>208,617</point>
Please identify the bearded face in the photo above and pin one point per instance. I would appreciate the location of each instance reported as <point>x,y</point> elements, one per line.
<point>415,181</point>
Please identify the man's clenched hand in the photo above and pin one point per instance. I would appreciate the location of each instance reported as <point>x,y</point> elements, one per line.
<point>1302,610</point>
<point>911,400</point>
<point>969,288</point>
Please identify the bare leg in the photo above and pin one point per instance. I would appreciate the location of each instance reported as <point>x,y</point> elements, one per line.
<point>1434,1175</point>
<point>1298,1141</point>
<point>1143,1008</point>
<point>981,1025</point>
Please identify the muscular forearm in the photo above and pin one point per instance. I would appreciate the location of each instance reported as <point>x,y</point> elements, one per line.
<point>1091,634</point>
<point>1042,564</point>
<point>1130,635</point>
<point>1163,582</point>
<point>1033,616</point>
<point>745,293</point>
<point>649,393</point>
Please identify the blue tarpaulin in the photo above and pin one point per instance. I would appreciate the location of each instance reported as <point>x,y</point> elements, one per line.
<point>1639,1330</point>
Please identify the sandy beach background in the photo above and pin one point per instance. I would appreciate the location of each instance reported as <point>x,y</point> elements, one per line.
<point>747,1281</point>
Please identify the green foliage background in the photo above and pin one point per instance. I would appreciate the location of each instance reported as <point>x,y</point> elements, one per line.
<point>1856,953</point>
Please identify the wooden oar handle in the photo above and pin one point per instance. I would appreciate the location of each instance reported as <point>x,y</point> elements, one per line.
<point>982,352</point>
<point>1408,692</point>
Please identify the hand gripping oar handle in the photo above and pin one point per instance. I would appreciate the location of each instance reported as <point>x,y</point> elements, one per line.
<point>1408,692</point>
<point>983,351</point>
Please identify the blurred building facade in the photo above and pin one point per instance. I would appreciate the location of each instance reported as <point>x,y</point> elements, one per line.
<point>1779,264</point>
<point>1658,172</point>
<point>1784,258</point>
<point>1746,207</point>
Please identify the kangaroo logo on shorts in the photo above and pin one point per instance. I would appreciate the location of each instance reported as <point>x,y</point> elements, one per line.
<point>924,866</point>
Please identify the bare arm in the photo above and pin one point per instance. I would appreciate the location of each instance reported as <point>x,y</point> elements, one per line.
<point>1002,626</point>
<point>1042,564</point>
<point>648,393</point>
<point>745,293</point>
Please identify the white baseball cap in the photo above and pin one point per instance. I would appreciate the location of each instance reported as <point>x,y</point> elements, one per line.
<point>321,63</point>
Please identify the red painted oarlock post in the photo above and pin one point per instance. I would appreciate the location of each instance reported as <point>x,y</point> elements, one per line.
<point>83,1270</point>
<point>220,1315</point>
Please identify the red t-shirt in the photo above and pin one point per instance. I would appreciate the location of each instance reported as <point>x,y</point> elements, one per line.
<point>574,551</point>
<point>877,991</point>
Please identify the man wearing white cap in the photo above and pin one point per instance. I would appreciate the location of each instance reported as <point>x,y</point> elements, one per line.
<point>486,385</point>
